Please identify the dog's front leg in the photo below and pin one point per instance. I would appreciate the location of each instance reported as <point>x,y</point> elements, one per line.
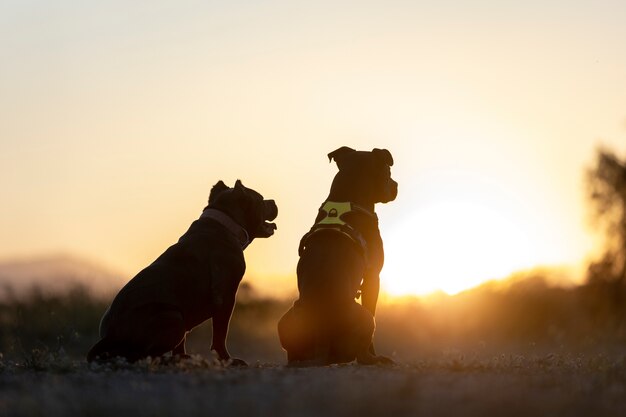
<point>180,349</point>
<point>369,299</point>
<point>221,318</point>
<point>369,292</point>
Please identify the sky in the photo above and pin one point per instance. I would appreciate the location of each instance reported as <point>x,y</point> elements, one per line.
<point>117,117</point>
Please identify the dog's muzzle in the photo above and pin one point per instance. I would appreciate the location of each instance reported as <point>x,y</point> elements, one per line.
<point>391,191</point>
<point>270,212</point>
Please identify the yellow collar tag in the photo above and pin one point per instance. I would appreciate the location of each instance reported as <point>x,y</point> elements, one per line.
<point>334,210</point>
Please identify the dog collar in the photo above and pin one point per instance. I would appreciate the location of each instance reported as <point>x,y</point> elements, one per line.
<point>232,226</point>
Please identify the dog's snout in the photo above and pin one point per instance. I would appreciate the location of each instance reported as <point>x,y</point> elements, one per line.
<point>271,209</point>
<point>392,190</point>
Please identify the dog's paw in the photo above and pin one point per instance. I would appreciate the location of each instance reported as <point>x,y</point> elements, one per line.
<point>369,359</point>
<point>235,362</point>
<point>307,363</point>
<point>383,360</point>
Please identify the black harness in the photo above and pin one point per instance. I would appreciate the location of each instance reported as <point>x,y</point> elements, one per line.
<point>332,220</point>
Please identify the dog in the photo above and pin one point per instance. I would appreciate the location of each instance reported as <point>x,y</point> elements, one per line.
<point>340,259</point>
<point>193,280</point>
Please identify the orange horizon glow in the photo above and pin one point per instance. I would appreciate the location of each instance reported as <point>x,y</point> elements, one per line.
<point>118,118</point>
<point>466,231</point>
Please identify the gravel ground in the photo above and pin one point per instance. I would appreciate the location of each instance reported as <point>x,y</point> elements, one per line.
<point>511,386</point>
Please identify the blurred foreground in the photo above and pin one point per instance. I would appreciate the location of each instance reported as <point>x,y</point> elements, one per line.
<point>522,349</point>
<point>525,316</point>
<point>513,386</point>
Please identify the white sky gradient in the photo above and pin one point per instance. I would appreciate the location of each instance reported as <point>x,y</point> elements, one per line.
<point>117,117</point>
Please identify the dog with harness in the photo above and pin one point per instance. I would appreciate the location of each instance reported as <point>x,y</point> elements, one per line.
<point>340,261</point>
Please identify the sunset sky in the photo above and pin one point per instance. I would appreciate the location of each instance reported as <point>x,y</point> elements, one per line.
<point>116,118</point>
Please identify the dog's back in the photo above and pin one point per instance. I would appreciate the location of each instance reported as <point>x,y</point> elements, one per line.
<point>183,276</point>
<point>192,281</point>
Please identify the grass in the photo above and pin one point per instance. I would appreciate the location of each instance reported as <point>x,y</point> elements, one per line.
<point>526,350</point>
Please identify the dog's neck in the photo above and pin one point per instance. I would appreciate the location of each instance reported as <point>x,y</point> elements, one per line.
<point>232,226</point>
<point>354,198</point>
<point>346,188</point>
<point>366,208</point>
<point>348,206</point>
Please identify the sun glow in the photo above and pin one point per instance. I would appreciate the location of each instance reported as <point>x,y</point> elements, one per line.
<point>452,246</point>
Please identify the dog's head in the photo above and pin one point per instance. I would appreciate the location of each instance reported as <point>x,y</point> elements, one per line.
<point>366,173</point>
<point>245,206</point>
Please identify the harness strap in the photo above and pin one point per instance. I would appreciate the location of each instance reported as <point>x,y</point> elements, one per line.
<point>333,221</point>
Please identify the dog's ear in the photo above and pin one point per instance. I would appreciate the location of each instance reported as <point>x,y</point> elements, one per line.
<point>239,186</point>
<point>216,190</point>
<point>384,155</point>
<point>339,155</point>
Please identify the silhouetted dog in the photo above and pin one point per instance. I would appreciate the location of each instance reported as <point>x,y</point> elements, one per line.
<point>192,281</point>
<point>340,257</point>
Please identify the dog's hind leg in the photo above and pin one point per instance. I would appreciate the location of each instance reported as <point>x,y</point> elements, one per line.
<point>103,350</point>
<point>297,336</point>
<point>163,332</point>
<point>353,336</point>
<point>150,330</point>
<point>291,333</point>
<point>305,336</point>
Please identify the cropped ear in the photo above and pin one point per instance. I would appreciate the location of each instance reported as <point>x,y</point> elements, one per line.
<point>239,186</point>
<point>384,155</point>
<point>216,190</point>
<point>339,155</point>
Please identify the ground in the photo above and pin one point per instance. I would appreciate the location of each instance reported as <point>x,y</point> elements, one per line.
<point>528,351</point>
<point>551,385</point>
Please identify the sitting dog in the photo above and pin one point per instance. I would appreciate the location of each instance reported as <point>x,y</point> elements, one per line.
<point>192,281</point>
<point>341,258</point>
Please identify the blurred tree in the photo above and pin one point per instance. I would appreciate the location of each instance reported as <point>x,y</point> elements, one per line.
<point>606,183</point>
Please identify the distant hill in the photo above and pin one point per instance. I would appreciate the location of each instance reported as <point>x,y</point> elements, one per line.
<point>55,274</point>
